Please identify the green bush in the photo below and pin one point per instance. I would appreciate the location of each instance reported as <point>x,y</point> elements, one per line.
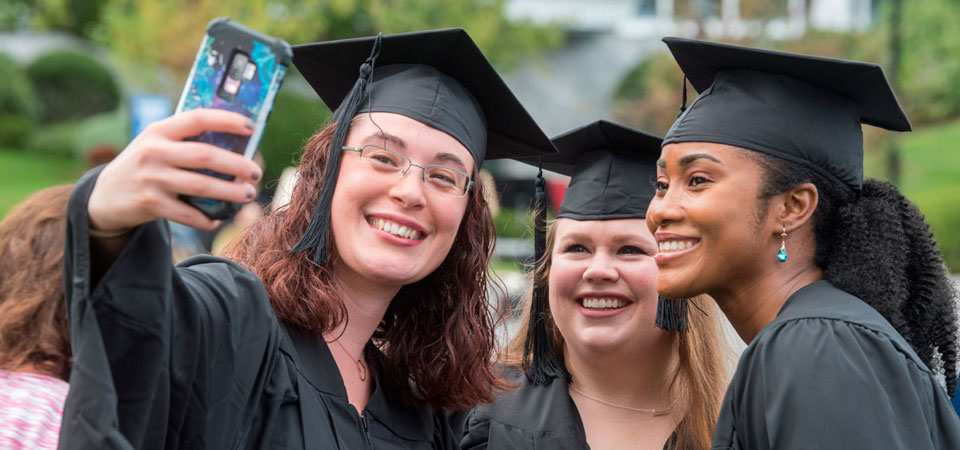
<point>72,85</point>
<point>648,97</point>
<point>294,119</point>
<point>74,138</point>
<point>18,104</point>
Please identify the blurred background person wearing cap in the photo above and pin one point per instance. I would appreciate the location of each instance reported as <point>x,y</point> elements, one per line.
<point>602,361</point>
<point>346,319</point>
<point>833,280</point>
<point>34,338</point>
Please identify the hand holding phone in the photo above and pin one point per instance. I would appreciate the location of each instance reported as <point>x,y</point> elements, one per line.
<point>144,181</point>
<point>236,69</point>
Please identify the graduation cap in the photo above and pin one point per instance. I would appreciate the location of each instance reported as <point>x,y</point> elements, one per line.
<point>438,77</point>
<point>611,169</point>
<point>805,109</point>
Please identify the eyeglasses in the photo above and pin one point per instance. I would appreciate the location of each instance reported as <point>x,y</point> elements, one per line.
<point>439,178</point>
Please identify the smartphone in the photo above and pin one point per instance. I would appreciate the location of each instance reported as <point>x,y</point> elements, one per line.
<point>236,69</point>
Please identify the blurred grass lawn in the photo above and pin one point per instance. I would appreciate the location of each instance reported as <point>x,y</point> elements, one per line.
<point>931,179</point>
<point>25,173</point>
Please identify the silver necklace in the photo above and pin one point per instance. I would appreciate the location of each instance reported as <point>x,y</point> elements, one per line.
<point>656,412</point>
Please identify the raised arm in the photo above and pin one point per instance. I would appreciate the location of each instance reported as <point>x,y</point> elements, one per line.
<point>154,346</point>
<point>143,182</point>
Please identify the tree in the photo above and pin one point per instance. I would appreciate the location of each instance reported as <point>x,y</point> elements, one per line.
<point>77,17</point>
<point>167,32</point>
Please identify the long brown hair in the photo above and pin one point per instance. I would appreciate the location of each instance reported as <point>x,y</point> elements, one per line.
<point>33,316</point>
<point>702,371</point>
<point>437,332</point>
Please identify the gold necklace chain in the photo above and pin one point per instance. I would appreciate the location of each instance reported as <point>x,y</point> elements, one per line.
<point>656,412</point>
<point>361,368</point>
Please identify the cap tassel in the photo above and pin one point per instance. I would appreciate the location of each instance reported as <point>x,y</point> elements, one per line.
<point>672,314</point>
<point>317,233</point>
<point>683,100</point>
<point>539,355</point>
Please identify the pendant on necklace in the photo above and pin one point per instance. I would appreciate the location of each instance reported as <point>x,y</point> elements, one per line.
<point>362,371</point>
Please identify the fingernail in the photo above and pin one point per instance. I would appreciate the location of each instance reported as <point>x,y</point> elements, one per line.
<point>255,175</point>
<point>249,124</point>
<point>251,193</point>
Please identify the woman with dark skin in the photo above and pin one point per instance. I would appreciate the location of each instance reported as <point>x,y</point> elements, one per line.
<point>835,282</point>
<point>348,319</point>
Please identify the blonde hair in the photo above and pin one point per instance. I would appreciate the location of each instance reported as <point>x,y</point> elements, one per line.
<point>703,359</point>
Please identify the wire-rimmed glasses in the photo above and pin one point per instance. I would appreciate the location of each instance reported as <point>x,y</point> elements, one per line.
<point>440,178</point>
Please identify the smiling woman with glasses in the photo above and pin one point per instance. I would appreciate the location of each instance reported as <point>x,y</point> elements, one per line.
<point>351,318</point>
<point>440,178</point>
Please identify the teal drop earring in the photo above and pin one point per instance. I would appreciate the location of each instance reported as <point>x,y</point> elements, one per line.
<point>782,254</point>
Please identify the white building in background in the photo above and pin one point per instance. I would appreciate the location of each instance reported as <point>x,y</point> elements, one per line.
<point>606,38</point>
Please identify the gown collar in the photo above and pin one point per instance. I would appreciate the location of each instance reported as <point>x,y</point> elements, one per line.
<point>319,368</point>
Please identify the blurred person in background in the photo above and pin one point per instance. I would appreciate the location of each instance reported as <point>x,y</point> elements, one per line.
<point>34,339</point>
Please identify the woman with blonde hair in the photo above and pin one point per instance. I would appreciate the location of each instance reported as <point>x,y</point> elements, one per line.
<point>597,372</point>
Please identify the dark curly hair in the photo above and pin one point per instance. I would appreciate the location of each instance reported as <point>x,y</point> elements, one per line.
<point>875,245</point>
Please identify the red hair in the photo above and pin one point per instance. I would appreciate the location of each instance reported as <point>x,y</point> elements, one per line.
<point>437,332</point>
<point>33,311</point>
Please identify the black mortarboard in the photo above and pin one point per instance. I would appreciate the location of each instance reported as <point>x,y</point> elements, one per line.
<point>437,77</point>
<point>805,109</point>
<point>611,169</point>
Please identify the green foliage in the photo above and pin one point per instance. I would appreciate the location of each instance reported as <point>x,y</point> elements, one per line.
<point>504,42</point>
<point>14,14</point>
<point>930,67</point>
<point>77,17</point>
<point>649,95</point>
<point>931,165</point>
<point>294,119</point>
<point>72,85</point>
<point>18,104</point>
<point>633,86</point>
<point>514,223</point>
<point>167,32</point>
<point>75,138</point>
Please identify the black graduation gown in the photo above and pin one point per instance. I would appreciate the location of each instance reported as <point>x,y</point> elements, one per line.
<point>194,357</point>
<point>829,372</point>
<point>529,417</point>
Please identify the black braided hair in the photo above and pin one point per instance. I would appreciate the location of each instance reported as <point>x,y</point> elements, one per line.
<point>876,245</point>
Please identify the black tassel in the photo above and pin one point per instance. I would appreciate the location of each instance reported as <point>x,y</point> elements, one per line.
<point>539,355</point>
<point>683,100</point>
<point>672,314</point>
<point>317,234</point>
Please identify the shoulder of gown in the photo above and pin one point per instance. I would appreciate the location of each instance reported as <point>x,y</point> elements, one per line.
<point>156,347</point>
<point>525,418</point>
<point>830,372</point>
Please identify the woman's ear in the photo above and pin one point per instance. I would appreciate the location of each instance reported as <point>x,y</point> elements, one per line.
<point>796,206</point>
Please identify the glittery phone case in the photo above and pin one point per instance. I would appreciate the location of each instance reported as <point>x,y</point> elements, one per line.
<point>236,69</point>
